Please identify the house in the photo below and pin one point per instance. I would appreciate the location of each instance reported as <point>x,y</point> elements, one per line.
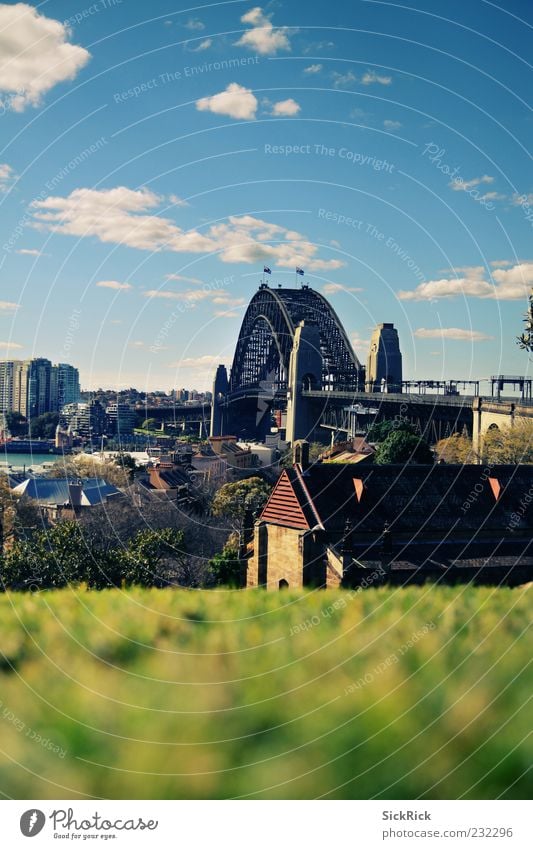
<point>166,479</point>
<point>237,457</point>
<point>356,450</point>
<point>61,498</point>
<point>332,524</point>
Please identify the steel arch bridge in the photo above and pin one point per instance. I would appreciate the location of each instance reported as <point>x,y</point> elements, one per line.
<point>266,339</point>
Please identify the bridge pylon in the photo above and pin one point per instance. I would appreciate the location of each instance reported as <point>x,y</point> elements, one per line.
<point>305,373</point>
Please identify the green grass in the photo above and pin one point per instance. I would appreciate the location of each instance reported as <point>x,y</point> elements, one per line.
<point>176,694</point>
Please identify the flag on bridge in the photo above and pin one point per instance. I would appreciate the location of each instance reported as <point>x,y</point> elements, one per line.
<point>299,270</point>
<point>266,270</point>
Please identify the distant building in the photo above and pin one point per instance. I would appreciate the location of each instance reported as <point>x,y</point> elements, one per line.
<point>65,385</point>
<point>121,419</point>
<point>33,387</point>
<point>384,364</point>
<point>232,453</point>
<point>88,420</point>
<point>61,498</point>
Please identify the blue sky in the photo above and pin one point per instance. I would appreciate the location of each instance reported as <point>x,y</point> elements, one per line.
<point>151,165</point>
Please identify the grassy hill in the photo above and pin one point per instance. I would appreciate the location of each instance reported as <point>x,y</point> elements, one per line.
<point>385,693</point>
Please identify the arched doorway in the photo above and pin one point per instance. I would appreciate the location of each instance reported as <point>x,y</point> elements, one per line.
<point>283,584</point>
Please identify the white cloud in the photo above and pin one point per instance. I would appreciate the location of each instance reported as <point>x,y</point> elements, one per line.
<point>371,77</point>
<point>226,314</point>
<point>8,306</point>
<point>204,45</point>
<point>36,55</point>
<point>6,176</point>
<point>30,252</point>
<point>263,38</point>
<point>313,69</point>
<point>137,344</point>
<point>113,284</point>
<point>194,24</point>
<point>10,346</point>
<point>460,185</point>
<point>522,200</point>
<point>359,345</point>
<point>333,288</point>
<point>122,216</point>
<point>203,363</point>
<point>391,125</point>
<point>236,101</point>
<point>510,284</point>
<point>185,279</point>
<point>455,333</point>
<point>343,80</point>
<point>286,107</point>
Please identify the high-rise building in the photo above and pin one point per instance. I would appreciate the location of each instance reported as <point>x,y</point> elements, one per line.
<point>8,372</point>
<point>65,385</point>
<point>384,365</point>
<point>33,385</point>
<point>121,419</point>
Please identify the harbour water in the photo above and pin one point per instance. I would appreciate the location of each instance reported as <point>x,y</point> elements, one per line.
<point>16,462</point>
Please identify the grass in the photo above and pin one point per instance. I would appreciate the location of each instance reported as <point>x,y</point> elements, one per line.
<point>389,693</point>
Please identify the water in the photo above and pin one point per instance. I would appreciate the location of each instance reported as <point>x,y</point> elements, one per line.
<point>18,461</point>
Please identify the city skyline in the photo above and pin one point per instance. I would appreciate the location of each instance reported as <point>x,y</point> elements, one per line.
<point>150,172</point>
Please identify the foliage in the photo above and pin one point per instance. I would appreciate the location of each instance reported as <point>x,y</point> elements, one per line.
<point>152,558</point>
<point>91,466</point>
<point>19,515</point>
<point>150,424</point>
<point>511,444</point>
<point>403,447</point>
<point>44,426</point>
<point>16,424</point>
<point>456,449</point>
<point>379,431</point>
<point>525,340</point>
<point>226,567</point>
<point>170,694</point>
<point>233,499</point>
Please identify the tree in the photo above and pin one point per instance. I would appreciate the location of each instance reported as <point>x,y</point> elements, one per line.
<point>150,424</point>
<point>315,450</point>
<point>525,340</point>
<point>512,444</point>
<point>403,447</point>
<point>16,424</point>
<point>44,427</point>
<point>19,516</point>
<point>456,449</point>
<point>90,466</point>
<point>233,499</point>
<point>52,558</point>
<point>153,558</point>
<point>379,431</point>
<point>226,567</point>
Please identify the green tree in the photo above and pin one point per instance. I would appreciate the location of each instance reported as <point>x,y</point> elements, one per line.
<point>403,447</point>
<point>52,558</point>
<point>379,431</point>
<point>456,449</point>
<point>16,424</point>
<point>233,499</point>
<point>226,567</point>
<point>525,340</point>
<point>44,427</point>
<point>150,424</point>
<point>153,557</point>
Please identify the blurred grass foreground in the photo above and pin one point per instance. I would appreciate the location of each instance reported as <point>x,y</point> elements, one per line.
<point>389,693</point>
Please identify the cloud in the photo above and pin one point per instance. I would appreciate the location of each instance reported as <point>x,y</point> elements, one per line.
<point>455,333</point>
<point>313,69</point>
<point>30,252</point>
<point>263,38</point>
<point>204,45</point>
<point>370,77</point>
<point>226,314</point>
<point>500,263</point>
<point>194,24</point>
<point>460,185</point>
<point>358,344</point>
<point>343,80</point>
<point>194,280</point>
<point>392,125</point>
<point>113,284</point>
<point>203,363</point>
<point>137,344</point>
<point>236,101</point>
<point>6,176</point>
<point>37,55</point>
<point>510,284</point>
<point>333,288</point>
<point>313,46</point>
<point>10,346</point>
<point>123,216</point>
<point>522,200</point>
<point>286,107</point>
<point>8,306</point>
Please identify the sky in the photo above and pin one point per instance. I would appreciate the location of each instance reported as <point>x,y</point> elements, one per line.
<point>155,157</point>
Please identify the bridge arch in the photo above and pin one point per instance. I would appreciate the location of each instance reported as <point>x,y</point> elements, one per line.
<point>266,338</point>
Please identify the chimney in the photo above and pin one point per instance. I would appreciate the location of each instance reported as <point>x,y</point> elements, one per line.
<point>300,454</point>
<point>75,491</point>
